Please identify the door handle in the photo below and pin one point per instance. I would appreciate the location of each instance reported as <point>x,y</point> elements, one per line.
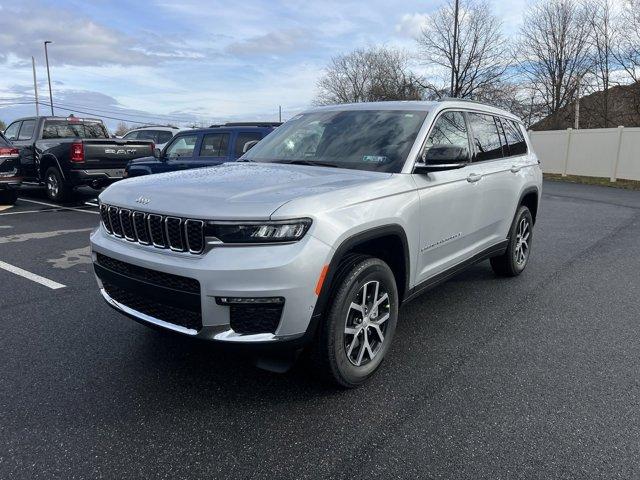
<point>474,177</point>
<point>515,168</point>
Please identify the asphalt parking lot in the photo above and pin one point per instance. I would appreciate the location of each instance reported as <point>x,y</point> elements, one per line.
<point>533,377</point>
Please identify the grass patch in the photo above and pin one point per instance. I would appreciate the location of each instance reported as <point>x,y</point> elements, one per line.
<point>620,183</point>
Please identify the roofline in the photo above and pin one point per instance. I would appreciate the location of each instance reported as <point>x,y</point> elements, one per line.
<point>420,105</point>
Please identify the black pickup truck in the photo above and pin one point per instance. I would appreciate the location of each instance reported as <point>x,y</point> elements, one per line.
<point>65,152</point>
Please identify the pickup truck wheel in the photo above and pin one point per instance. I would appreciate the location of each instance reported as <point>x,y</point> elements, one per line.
<point>513,262</point>
<point>8,196</point>
<point>57,190</point>
<point>358,329</point>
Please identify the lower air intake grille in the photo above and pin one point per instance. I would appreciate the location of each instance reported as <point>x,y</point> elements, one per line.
<point>161,311</point>
<point>249,319</point>
<point>154,277</point>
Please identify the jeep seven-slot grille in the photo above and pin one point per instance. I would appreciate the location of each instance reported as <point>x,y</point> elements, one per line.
<point>177,234</point>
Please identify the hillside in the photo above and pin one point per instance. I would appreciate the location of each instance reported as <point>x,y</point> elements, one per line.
<point>624,109</point>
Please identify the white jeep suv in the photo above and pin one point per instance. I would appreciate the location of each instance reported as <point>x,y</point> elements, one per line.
<point>322,230</point>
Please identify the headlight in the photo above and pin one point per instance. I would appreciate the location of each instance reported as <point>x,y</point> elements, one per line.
<point>281,231</point>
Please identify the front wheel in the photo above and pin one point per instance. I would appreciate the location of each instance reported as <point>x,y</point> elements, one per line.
<point>358,329</point>
<point>515,258</point>
<point>57,190</point>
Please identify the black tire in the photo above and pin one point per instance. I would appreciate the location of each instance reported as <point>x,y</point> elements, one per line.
<point>57,189</point>
<point>514,260</point>
<point>330,353</point>
<point>8,196</point>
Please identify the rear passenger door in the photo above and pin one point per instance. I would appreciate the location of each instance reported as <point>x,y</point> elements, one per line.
<point>25,142</point>
<point>500,186</point>
<point>245,141</point>
<point>214,149</point>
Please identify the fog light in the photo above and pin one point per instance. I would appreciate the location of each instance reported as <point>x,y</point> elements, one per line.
<point>249,300</point>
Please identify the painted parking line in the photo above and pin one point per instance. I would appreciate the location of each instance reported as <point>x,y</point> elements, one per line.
<point>31,276</point>
<point>58,206</point>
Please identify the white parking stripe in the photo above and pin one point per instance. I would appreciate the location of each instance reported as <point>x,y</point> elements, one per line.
<point>57,206</point>
<point>31,276</point>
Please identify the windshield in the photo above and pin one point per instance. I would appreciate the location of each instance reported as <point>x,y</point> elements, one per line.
<point>377,140</point>
<point>73,129</point>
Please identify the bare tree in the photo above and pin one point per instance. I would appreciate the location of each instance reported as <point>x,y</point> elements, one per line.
<point>603,38</point>
<point>627,52</point>
<point>554,50</point>
<point>3,126</point>
<point>365,75</point>
<point>478,58</point>
<point>122,129</point>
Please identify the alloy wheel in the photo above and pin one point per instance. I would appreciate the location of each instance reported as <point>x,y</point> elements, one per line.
<point>52,186</point>
<point>366,323</point>
<point>521,252</point>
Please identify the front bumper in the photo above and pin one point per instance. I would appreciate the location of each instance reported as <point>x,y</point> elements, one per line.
<point>288,271</point>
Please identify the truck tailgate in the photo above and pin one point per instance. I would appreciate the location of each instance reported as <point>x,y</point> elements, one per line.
<point>114,153</point>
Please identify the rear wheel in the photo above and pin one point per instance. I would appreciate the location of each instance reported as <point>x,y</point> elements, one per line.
<point>515,258</point>
<point>358,329</point>
<point>8,196</point>
<point>57,190</point>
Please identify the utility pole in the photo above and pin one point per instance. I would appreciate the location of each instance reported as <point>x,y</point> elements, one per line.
<point>455,47</point>
<point>46,56</point>
<point>280,113</point>
<point>577,119</point>
<point>35,85</point>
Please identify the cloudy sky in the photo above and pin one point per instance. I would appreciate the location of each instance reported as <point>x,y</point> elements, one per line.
<point>204,60</point>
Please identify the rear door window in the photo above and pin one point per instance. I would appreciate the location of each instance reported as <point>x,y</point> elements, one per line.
<point>515,138</point>
<point>243,138</point>
<point>486,138</point>
<point>130,136</point>
<point>215,145</point>
<point>12,131</point>
<point>26,131</point>
<point>164,137</point>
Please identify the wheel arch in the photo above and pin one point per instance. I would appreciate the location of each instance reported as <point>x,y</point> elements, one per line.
<point>370,242</point>
<point>48,161</point>
<point>530,197</point>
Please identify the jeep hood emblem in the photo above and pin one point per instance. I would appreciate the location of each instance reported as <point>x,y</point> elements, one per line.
<point>143,200</point>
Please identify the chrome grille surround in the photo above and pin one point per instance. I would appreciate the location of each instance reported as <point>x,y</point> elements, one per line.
<point>152,229</point>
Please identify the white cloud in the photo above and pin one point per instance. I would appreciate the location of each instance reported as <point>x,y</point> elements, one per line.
<point>411,24</point>
<point>276,42</point>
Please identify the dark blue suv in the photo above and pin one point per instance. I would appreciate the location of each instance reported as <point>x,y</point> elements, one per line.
<point>202,148</point>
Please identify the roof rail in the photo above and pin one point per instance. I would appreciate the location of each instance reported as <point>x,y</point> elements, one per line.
<point>454,99</point>
<point>247,124</point>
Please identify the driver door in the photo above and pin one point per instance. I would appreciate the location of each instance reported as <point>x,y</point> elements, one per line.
<point>449,202</point>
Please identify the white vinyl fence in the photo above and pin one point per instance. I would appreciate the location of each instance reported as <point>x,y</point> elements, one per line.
<point>600,152</point>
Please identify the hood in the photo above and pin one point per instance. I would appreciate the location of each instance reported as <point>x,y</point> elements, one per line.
<point>235,191</point>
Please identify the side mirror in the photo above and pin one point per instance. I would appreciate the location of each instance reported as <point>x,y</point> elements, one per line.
<point>157,153</point>
<point>441,157</point>
<point>249,145</point>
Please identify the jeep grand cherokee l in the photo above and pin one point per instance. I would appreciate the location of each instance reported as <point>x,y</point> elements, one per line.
<point>322,230</point>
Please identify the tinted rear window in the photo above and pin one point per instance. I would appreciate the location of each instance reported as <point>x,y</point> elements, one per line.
<point>66,129</point>
<point>485,137</point>
<point>515,139</point>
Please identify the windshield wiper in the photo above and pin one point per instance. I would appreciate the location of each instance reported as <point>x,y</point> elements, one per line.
<point>310,162</point>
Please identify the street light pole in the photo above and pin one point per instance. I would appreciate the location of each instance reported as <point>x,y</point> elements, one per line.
<point>46,56</point>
